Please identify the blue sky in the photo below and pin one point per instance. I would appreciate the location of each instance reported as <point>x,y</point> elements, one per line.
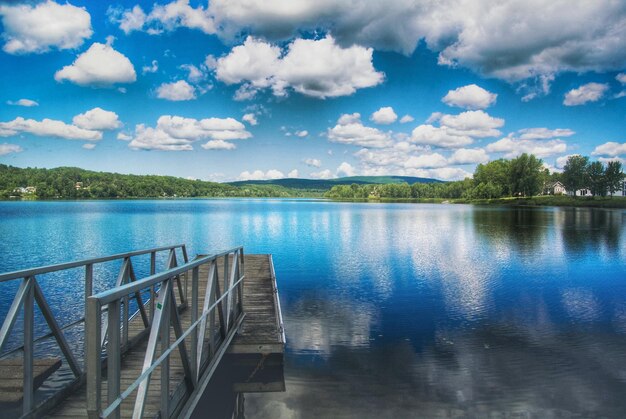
<point>235,89</point>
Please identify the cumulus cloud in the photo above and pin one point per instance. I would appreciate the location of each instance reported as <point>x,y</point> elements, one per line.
<point>470,97</point>
<point>250,118</point>
<point>97,119</point>
<point>260,175</point>
<point>345,169</point>
<point>38,28</point>
<point>163,18</point>
<point>513,147</point>
<point>544,133</point>
<point>301,134</point>
<point>606,160</point>
<point>406,118</point>
<point>473,123</point>
<point>498,39</point>
<point>439,137</point>
<point>350,130</point>
<point>560,161</point>
<point>590,92</point>
<point>313,162</point>
<point>318,68</point>
<point>384,116</point>
<point>176,91</point>
<point>322,174</point>
<point>89,146</point>
<point>47,128</point>
<point>176,133</point>
<point>7,148</point>
<point>293,174</point>
<point>621,77</point>
<point>152,68</point>
<point>610,148</point>
<point>23,102</point>
<point>99,66</point>
<point>218,145</point>
<point>469,156</point>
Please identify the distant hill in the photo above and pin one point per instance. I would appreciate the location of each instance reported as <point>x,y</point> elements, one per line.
<point>325,184</point>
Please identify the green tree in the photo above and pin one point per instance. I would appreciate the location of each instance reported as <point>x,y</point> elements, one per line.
<point>497,174</point>
<point>596,178</point>
<point>614,176</point>
<point>525,175</point>
<point>575,173</point>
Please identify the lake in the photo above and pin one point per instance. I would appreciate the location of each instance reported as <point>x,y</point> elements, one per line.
<point>391,310</point>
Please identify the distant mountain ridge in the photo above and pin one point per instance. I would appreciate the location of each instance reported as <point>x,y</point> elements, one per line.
<point>322,184</point>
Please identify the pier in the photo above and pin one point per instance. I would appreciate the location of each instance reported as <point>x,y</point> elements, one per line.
<point>149,346</point>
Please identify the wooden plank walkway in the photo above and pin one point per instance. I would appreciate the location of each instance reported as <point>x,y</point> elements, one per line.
<point>260,333</point>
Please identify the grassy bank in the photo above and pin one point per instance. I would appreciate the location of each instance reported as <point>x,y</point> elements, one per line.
<point>546,201</point>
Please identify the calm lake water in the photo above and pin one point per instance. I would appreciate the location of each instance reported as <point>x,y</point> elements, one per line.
<point>391,310</point>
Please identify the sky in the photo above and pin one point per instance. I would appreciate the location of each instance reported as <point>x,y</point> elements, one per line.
<point>264,89</point>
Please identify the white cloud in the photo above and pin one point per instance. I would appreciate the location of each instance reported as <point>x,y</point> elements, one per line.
<point>313,162</point>
<point>176,91</point>
<point>124,137</point>
<point>469,156</point>
<point>100,65</point>
<point>301,134</point>
<point>250,118</point>
<point>7,148</point>
<point>560,161</point>
<point>317,68</point>
<point>439,137</point>
<point>97,119</point>
<point>89,146</point>
<point>590,92</point>
<point>513,147</point>
<point>152,68</point>
<point>621,77</point>
<point>472,123</point>
<point>260,175</point>
<point>513,40</point>
<point>129,20</point>
<point>610,148</point>
<point>293,174</point>
<point>406,118</point>
<point>176,133</point>
<point>194,74</point>
<point>470,97</point>
<point>544,133</point>
<point>323,174</point>
<point>166,17</point>
<point>37,28</point>
<point>23,102</point>
<point>218,145</point>
<point>345,169</point>
<point>47,128</point>
<point>606,160</point>
<point>384,116</point>
<point>350,130</point>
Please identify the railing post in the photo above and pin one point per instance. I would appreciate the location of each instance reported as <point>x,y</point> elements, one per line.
<point>153,287</point>
<point>165,343</point>
<point>113,356</point>
<point>195,291</point>
<point>88,282</point>
<point>29,325</point>
<point>93,352</point>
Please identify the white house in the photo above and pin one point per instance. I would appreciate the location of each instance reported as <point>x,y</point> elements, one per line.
<point>554,188</point>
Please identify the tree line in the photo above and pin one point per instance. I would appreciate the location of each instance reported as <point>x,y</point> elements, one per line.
<point>522,176</point>
<point>75,183</point>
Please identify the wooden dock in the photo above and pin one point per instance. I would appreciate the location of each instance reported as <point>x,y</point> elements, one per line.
<point>261,332</point>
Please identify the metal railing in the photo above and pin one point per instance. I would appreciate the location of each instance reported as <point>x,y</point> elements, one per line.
<point>30,292</point>
<point>201,344</point>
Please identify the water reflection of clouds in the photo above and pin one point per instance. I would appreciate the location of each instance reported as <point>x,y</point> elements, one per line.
<point>318,326</point>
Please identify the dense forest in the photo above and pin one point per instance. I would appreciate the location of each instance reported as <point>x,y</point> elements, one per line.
<point>523,176</point>
<point>75,183</point>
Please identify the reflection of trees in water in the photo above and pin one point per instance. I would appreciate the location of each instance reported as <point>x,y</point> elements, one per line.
<point>522,227</point>
<point>583,228</point>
